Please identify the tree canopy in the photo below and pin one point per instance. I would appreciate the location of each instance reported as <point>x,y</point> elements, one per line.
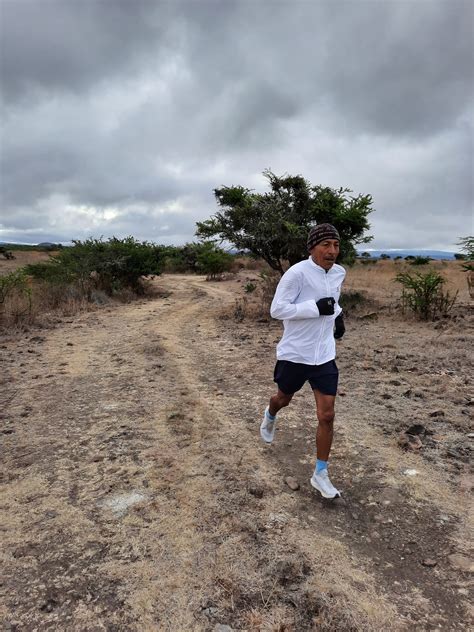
<point>275,225</point>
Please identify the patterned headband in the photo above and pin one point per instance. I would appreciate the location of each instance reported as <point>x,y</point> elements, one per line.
<point>321,232</point>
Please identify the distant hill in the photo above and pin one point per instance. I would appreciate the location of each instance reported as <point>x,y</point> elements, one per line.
<point>434,254</point>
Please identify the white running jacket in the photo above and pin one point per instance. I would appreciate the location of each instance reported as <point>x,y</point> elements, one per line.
<point>308,338</point>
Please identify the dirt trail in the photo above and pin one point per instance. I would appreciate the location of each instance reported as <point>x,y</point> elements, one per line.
<point>136,494</point>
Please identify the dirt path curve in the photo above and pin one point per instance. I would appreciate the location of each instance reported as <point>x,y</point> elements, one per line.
<point>136,495</point>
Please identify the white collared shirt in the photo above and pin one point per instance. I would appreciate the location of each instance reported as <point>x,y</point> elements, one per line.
<point>308,337</point>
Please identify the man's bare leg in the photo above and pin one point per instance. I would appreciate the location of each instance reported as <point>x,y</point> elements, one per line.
<point>278,401</point>
<point>324,433</point>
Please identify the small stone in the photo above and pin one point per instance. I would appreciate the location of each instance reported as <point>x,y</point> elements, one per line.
<point>429,563</point>
<point>409,442</point>
<point>220,627</point>
<point>437,413</point>
<point>292,483</point>
<point>461,562</point>
<point>256,490</point>
<point>355,516</point>
<point>416,429</point>
<point>410,472</point>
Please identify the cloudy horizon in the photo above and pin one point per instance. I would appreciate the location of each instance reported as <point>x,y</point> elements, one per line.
<point>120,118</point>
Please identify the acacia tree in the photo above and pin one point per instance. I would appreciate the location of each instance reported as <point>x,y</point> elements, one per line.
<point>275,225</point>
<point>467,246</point>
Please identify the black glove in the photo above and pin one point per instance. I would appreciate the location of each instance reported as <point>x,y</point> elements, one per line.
<point>339,327</point>
<point>326,306</point>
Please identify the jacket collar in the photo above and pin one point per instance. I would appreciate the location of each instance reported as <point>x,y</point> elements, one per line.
<point>315,265</point>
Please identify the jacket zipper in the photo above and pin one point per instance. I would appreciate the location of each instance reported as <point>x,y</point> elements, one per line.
<point>323,324</point>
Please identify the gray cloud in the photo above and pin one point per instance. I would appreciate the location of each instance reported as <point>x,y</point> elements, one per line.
<point>63,45</point>
<point>120,118</point>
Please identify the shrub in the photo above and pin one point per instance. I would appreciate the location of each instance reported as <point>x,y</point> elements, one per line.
<point>250,287</point>
<point>384,256</point>
<point>110,265</point>
<point>15,291</point>
<point>423,294</point>
<point>350,300</point>
<point>13,283</point>
<point>7,254</point>
<point>181,258</point>
<point>419,261</point>
<point>213,261</point>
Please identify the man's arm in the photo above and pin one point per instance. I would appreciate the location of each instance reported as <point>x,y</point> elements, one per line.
<point>339,327</point>
<point>284,307</point>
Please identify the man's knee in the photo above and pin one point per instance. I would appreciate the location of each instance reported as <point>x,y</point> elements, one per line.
<point>282,399</point>
<point>326,417</point>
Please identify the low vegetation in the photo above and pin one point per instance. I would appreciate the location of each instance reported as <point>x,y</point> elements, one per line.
<point>95,271</point>
<point>420,261</point>
<point>423,294</point>
<point>15,291</point>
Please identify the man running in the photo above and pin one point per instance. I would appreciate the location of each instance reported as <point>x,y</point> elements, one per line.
<point>306,300</point>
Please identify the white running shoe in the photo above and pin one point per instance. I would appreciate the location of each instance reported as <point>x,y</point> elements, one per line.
<point>267,428</point>
<point>322,483</point>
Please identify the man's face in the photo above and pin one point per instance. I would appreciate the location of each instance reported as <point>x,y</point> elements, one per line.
<point>325,253</point>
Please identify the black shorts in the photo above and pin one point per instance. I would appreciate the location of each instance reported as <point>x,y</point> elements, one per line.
<point>291,376</point>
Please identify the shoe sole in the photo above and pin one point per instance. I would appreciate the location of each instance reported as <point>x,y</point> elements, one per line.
<point>316,486</point>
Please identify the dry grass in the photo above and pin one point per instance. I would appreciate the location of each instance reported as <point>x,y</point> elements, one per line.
<point>146,402</point>
<point>374,284</point>
<point>23,258</point>
<point>377,279</point>
<point>42,306</point>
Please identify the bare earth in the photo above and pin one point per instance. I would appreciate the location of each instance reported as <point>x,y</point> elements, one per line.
<point>136,494</point>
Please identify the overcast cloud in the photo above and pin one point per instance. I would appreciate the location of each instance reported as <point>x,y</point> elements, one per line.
<point>120,117</point>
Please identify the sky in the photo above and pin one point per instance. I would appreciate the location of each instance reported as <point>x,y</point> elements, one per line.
<point>121,117</point>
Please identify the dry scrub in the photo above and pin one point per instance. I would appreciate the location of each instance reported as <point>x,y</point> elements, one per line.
<point>136,494</point>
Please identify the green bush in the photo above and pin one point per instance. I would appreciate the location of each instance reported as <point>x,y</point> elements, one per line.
<point>213,261</point>
<point>180,258</point>
<point>7,254</point>
<point>250,287</point>
<point>110,265</point>
<point>419,261</point>
<point>467,246</point>
<point>15,282</point>
<point>423,294</point>
<point>15,286</point>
